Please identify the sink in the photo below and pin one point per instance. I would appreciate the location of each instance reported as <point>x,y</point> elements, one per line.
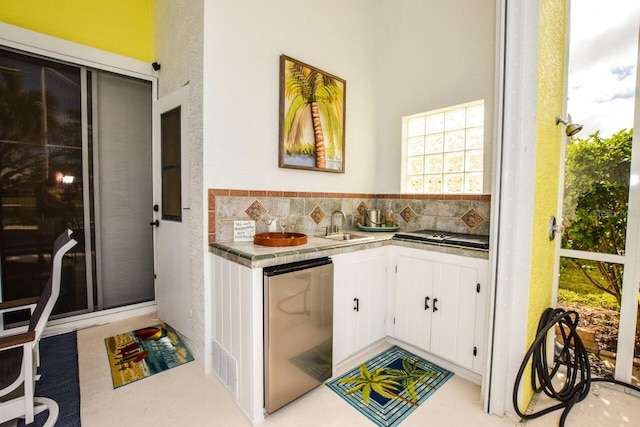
<point>347,236</point>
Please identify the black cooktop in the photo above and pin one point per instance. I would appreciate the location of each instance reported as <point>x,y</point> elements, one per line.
<point>479,241</point>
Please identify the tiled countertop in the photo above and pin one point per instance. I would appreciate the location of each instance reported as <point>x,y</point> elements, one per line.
<point>257,256</point>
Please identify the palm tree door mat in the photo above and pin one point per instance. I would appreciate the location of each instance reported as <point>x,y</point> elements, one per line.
<point>388,387</point>
<point>144,352</point>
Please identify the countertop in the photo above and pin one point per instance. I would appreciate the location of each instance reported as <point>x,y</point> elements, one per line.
<point>257,256</point>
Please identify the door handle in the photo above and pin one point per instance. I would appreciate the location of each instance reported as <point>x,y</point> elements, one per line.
<point>435,301</point>
<point>356,304</point>
<point>426,303</point>
<point>156,223</point>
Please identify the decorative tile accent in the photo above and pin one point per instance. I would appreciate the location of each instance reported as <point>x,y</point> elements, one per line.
<point>317,214</point>
<point>408,214</point>
<point>256,210</point>
<point>472,218</point>
<point>362,208</point>
<point>443,211</point>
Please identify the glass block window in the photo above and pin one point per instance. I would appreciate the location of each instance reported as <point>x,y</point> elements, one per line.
<point>443,150</point>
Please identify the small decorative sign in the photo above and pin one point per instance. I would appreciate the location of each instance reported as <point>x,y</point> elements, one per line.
<point>243,231</point>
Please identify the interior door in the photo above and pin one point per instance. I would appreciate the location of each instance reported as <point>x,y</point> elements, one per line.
<point>171,214</point>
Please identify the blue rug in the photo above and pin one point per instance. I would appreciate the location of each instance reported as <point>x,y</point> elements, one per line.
<point>59,381</point>
<point>388,387</point>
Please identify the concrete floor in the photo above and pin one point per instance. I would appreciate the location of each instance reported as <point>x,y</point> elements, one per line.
<point>184,396</point>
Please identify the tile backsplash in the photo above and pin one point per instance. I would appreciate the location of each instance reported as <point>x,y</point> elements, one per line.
<point>312,211</point>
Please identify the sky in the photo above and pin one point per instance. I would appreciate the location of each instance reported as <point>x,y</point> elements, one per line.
<point>603,54</point>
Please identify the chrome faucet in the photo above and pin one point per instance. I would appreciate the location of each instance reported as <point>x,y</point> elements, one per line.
<point>334,228</point>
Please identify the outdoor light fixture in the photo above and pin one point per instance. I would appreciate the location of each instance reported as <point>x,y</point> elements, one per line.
<point>572,128</point>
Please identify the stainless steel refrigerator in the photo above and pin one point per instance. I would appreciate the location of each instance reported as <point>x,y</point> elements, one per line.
<point>298,329</point>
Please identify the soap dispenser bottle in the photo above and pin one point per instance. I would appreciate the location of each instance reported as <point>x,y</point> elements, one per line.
<point>388,219</point>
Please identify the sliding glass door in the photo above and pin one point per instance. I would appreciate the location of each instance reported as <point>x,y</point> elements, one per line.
<point>123,190</point>
<point>75,152</point>
<point>41,170</point>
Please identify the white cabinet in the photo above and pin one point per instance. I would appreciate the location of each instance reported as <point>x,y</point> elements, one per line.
<point>440,304</point>
<point>359,300</point>
<point>367,292</point>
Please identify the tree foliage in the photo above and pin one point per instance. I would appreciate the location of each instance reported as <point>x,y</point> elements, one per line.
<point>22,133</point>
<point>596,204</point>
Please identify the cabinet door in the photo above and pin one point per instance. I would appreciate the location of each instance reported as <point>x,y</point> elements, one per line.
<point>414,300</point>
<point>371,279</point>
<point>360,283</point>
<point>451,323</point>
<point>343,313</point>
<point>454,313</point>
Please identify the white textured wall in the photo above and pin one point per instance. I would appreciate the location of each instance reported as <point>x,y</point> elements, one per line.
<point>398,57</point>
<point>243,43</point>
<point>179,48</point>
<point>432,54</point>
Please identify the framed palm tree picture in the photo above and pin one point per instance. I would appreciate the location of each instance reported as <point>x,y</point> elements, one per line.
<point>312,117</point>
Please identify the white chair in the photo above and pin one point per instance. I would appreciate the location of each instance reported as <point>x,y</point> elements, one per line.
<point>19,356</point>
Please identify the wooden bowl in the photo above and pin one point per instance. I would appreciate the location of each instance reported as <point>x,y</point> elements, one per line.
<point>280,239</point>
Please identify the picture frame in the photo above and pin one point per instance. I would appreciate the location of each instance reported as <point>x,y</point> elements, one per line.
<point>312,118</point>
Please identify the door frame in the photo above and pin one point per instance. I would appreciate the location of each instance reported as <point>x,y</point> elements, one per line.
<point>511,200</point>
<point>629,303</point>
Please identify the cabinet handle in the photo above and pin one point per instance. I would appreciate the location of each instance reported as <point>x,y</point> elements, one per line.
<point>356,304</point>
<point>435,301</point>
<point>426,303</point>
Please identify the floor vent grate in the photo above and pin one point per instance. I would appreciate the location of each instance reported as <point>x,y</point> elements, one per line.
<point>225,367</point>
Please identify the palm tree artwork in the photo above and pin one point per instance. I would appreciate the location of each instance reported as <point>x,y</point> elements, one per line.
<point>390,383</point>
<point>312,117</point>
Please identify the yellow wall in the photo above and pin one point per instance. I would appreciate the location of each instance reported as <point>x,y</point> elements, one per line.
<point>551,69</point>
<point>124,27</point>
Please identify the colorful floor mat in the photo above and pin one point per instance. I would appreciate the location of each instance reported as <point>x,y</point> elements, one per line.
<point>388,387</point>
<point>144,352</point>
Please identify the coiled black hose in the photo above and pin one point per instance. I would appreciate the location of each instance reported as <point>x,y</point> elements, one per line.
<point>572,354</point>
